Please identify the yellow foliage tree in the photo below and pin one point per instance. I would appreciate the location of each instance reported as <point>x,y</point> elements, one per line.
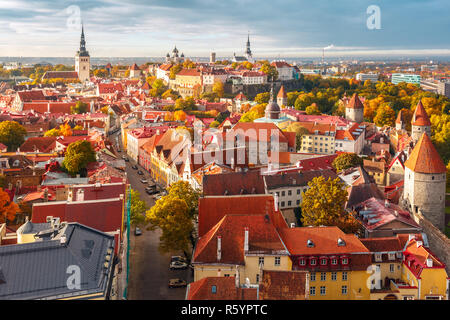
<point>179,115</point>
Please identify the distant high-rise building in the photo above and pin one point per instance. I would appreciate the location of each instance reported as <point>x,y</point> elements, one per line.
<point>212,57</point>
<point>405,77</point>
<point>83,60</point>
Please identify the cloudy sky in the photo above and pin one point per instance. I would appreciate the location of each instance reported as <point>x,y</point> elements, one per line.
<point>286,28</point>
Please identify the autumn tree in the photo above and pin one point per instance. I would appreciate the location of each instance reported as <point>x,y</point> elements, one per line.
<point>254,113</point>
<point>179,115</point>
<point>8,209</point>
<point>313,109</point>
<point>218,88</point>
<point>12,134</point>
<point>323,204</point>
<point>214,124</point>
<point>78,155</point>
<point>263,97</point>
<point>346,160</point>
<point>385,116</point>
<point>270,71</point>
<point>79,108</point>
<point>174,214</point>
<point>137,209</point>
<point>65,130</point>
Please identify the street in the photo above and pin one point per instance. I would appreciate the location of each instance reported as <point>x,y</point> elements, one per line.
<point>149,269</point>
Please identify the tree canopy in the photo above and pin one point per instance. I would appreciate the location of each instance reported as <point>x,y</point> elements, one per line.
<point>8,209</point>
<point>346,160</point>
<point>138,208</point>
<point>79,108</point>
<point>78,155</point>
<point>12,134</point>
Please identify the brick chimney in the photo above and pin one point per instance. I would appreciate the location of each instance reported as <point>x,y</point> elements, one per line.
<point>246,239</point>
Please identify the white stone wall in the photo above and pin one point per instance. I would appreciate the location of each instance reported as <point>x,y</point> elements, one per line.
<point>417,131</point>
<point>356,115</point>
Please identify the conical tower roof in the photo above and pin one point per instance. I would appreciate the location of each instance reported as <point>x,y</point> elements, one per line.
<point>355,103</point>
<point>282,93</point>
<point>425,158</point>
<point>399,117</point>
<point>420,117</point>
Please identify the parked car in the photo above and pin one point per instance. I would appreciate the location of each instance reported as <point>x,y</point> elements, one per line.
<point>177,283</point>
<point>157,196</point>
<point>175,265</point>
<point>140,172</point>
<point>144,181</point>
<point>137,232</point>
<point>178,258</point>
<point>151,191</point>
<point>134,167</point>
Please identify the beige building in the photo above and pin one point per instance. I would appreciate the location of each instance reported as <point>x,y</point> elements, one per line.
<point>320,139</point>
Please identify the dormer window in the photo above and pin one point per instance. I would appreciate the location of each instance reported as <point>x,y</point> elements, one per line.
<point>391,255</point>
<point>213,289</point>
<point>323,261</point>
<point>312,262</point>
<point>310,243</point>
<point>334,261</point>
<point>302,262</point>
<point>344,261</point>
<point>340,242</point>
<point>378,257</point>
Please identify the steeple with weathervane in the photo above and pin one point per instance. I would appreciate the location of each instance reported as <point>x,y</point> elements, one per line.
<point>248,52</point>
<point>83,60</point>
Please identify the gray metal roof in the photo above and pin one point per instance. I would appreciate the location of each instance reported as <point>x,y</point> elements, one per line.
<point>39,270</point>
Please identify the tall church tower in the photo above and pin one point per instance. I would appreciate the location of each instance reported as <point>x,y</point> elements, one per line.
<point>248,52</point>
<point>83,60</point>
<point>424,183</point>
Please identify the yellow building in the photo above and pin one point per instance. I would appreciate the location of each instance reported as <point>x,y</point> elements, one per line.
<point>241,246</point>
<point>337,262</point>
<point>124,127</point>
<point>377,170</point>
<point>186,80</point>
<point>320,139</point>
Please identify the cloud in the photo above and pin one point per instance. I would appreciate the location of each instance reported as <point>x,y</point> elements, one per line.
<point>150,28</point>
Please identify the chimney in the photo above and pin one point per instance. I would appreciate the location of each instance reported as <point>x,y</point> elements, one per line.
<point>275,201</point>
<point>429,263</point>
<point>246,239</point>
<point>219,248</point>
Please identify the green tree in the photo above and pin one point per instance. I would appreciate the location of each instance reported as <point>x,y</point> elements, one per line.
<point>79,108</point>
<point>313,109</point>
<point>346,160</point>
<point>12,134</point>
<point>78,155</point>
<point>138,208</point>
<point>323,204</point>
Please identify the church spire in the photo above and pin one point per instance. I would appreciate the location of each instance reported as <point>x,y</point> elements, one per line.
<point>82,41</point>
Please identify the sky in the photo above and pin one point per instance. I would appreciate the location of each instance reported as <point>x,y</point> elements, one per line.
<point>278,28</point>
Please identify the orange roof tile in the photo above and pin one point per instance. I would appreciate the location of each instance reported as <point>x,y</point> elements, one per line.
<point>225,289</point>
<point>420,117</point>
<point>281,93</point>
<point>283,285</point>
<point>425,158</point>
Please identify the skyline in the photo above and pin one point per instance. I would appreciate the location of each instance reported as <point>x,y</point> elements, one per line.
<point>135,28</point>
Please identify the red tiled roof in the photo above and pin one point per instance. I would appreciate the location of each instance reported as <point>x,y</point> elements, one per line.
<point>355,103</point>
<point>263,131</point>
<point>212,209</point>
<point>325,241</point>
<point>225,290</point>
<point>60,75</point>
<point>27,96</point>
<point>101,191</point>
<point>424,158</point>
<point>417,255</point>
<point>189,73</point>
<point>52,107</point>
<point>387,244</point>
<point>420,117</point>
<point>263,238</point>
<point>281,93</point>
<point>280,64</point>
<point>38,144</point>
<point>235,183</point>
<point>283,285</point>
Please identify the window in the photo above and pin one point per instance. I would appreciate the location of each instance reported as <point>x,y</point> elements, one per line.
<point>289,203</point>
<point>289,192</point>
<point>344,276</point>
<point>298,191</point>
<point>344,290</point>
<point>323,276</point>
<point>302,261</point>
<point>261,260</point>
<point>323,262</point>
<point>377,256</point>
<point>213,289</point>
<point>226,275</point>
<point>323,290</point>
<point>277,261</point>
<point>344,261</point>
<point>334,276</point>
<point>257,278</point>
<point>313,262</point>
<point>312,276</point>
<point>334,261</point>
<point>283,193</point>
<point>391,256</point>
<point>391,268</point>
<point>312,291</point>
<point>282,203</point>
